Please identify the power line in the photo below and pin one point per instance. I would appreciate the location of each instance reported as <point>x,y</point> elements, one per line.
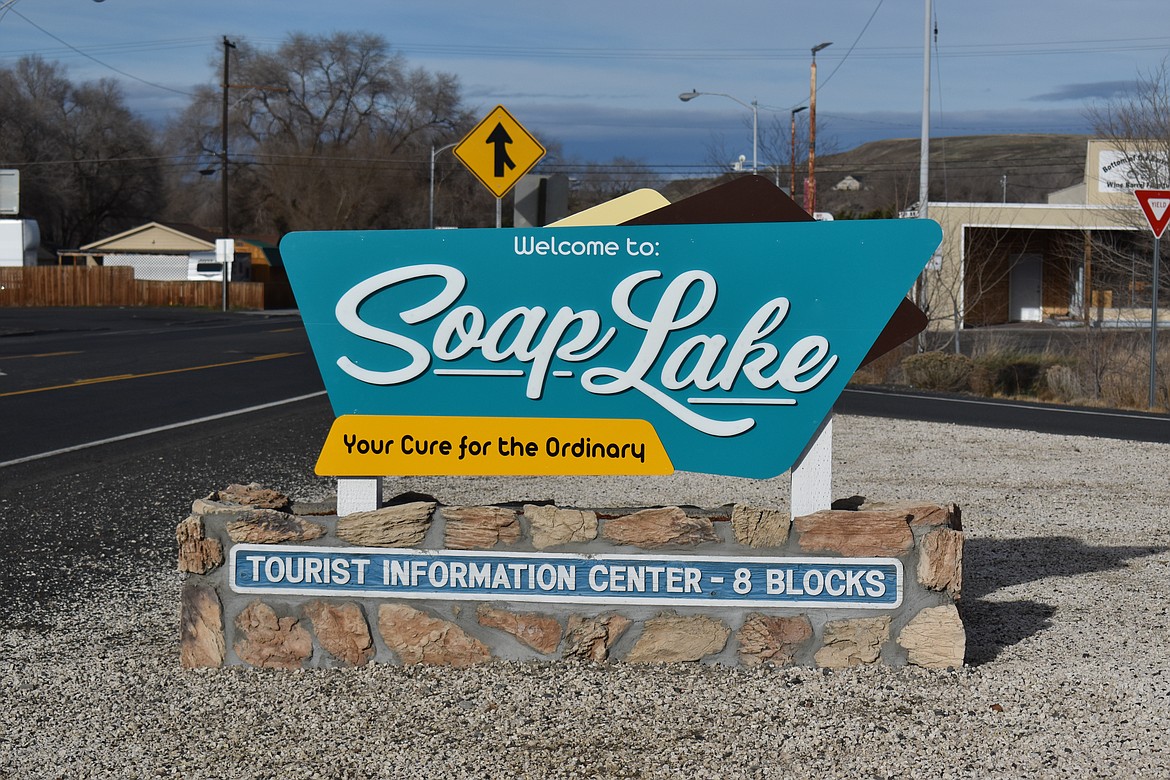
<point>120,72</point>
<point>852,46</point>
<point>1028,48</point>
<point>970,168</point>
<point>122,47</point>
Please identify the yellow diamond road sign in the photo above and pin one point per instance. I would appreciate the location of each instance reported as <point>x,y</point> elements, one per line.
<point>499,151</point>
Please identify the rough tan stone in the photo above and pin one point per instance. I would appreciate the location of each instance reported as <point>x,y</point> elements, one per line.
<point>935,638</point>
<point>769,639</point>
<point>540,632</point>
<point>590,639</point>
<point>201,641</point>
<point>852,642</point>
<point>253,495</point>
<point>197,553</point>
<point>673,638</point>
<point>402,525</point>
<point>210,506</point>
<point>552,526</point>
<point>479,527</point>
<point>267,526</point>
<point>760,527</point>
<point>859,534</point>
<point>922,514</point>
<point>949,516</point>
<point>419,638</point>
<point>268,642</point>
<point>940,561</point>
<point>321,508</point>
<point>342,631</point>
<point>651,528</point>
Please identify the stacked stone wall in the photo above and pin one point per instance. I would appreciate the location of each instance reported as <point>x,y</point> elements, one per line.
<point>220,627</point>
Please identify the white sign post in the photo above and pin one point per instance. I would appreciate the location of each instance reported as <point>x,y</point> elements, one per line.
<point>358,494</point>
<point>812,476</point>
<point>225,255</point>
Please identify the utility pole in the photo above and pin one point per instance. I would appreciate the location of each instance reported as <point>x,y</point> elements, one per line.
<point>924,163</point>
<point>224,130</point>
<point>226,269</point>
<point>924,143</point>
<point>810,187</point>
<point>792,155</point>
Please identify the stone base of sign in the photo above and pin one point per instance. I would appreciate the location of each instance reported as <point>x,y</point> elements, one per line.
<point>220,627</point>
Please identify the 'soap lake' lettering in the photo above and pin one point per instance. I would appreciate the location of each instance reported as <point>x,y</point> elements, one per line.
<point>530,335</point>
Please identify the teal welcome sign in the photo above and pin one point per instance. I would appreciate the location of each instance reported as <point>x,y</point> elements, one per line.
<point>731,341</point>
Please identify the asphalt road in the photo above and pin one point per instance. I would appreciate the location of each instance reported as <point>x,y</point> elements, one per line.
<point>71,377</point>
<point>90,521</point>
<point>997,413</point>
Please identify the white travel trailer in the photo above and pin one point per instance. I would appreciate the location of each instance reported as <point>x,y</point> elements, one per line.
<point>19,240</point>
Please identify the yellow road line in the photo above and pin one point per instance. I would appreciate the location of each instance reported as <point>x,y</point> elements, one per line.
<point>99,380</point>
<point>284,330</point>
<point>121,377</point>
<point>39,355</point>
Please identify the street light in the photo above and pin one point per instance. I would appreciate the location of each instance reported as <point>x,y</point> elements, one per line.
<point>810,189</point>
<point>434,153</point>
<point>754,108</point>
<point>792,157</point>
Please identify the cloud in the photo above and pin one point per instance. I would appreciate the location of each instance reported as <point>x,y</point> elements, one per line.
<point>1094,90</point>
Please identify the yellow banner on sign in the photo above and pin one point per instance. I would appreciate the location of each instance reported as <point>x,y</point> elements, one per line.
<point>361,445</point>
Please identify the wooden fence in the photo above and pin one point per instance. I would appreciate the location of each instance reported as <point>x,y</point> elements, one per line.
<point>116,286</point>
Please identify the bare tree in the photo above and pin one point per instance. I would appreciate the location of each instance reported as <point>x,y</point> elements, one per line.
<point>1138,125</point>
<point>973,289</point>
<point>88,165</point>
<point>776,148</point>
<point>596,183</point>
<point>328,131</point>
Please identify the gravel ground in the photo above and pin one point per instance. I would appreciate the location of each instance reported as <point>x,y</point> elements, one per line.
<point>1067,675</point>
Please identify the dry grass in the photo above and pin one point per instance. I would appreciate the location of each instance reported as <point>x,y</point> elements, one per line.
<point>1095,367</point>
<point>886,370</point>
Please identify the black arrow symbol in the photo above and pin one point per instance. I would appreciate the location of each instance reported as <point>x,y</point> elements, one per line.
<point>501,139</point>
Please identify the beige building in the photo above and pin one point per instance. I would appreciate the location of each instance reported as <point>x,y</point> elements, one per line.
<point>175,252</point>
<point>1083,256</point>
<point>162,252</point>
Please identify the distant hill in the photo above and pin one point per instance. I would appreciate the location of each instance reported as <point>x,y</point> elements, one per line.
<point>962,168</point>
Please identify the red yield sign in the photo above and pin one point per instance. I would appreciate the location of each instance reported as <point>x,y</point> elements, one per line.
<point>1156,206</point>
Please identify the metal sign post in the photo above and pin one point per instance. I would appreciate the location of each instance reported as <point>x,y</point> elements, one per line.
<point>1154,327</point>
<point>1156,207</point>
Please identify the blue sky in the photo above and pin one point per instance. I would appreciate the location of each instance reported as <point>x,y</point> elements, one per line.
<point>602,78</point>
